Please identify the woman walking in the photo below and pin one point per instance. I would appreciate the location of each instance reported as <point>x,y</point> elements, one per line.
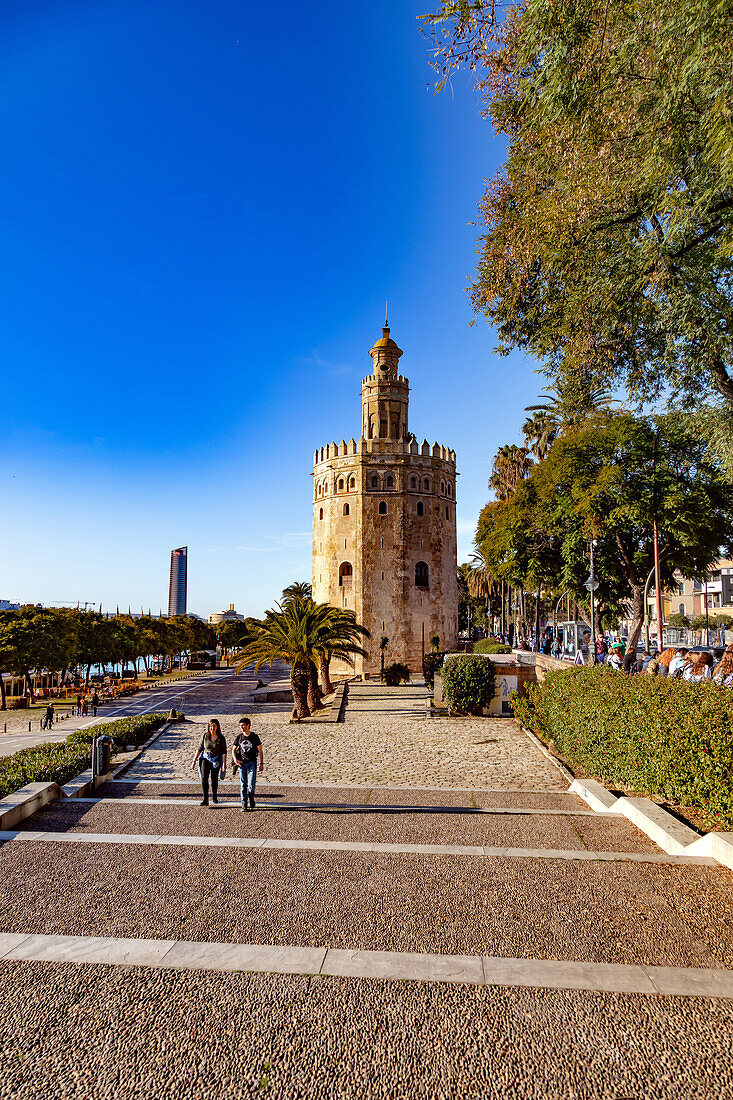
<point>211,756</point>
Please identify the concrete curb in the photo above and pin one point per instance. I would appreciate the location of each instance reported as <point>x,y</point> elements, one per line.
<point>671,835</point>
<point>20,804</point>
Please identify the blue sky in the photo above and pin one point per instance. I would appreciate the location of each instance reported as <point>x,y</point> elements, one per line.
<point>203,208</point>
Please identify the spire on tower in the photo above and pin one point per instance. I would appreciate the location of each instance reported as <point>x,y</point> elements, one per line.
<point>386,322</point>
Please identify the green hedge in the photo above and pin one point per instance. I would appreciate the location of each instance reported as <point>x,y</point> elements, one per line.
<point>663,737</point>
<point>469,683</point>
<point>58,763</point>
<point>488,645</point>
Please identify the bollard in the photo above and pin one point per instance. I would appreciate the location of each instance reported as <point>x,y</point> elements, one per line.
<point>29,727</point>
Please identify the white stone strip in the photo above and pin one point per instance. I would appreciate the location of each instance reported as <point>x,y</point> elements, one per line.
<point>299,845</point>
<point>594,794</point>
<point>393,965</point>
<point>366,807</point>
<point>298,784</point>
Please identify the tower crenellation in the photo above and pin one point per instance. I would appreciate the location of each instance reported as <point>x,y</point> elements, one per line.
<point>384,522</point>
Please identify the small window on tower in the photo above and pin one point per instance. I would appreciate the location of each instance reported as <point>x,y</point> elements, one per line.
<point>413,483</point>
<point>446,513</point>
<point>420,508</point>
<point>382,427</point>
<point>374,482</point>
<point>345,574</point>
<point>421,575</point>
<point>346,509</point>
<point>341,485</point>
<point>320,514</point>
<point>427,484</point>
<point>383,507</point>
<point>352,483</point>
<point>390,482</point>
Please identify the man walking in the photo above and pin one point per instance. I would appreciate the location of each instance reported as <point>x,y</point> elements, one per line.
<point>247,747</point>
<point>95,704</point>
<point>47,722</point>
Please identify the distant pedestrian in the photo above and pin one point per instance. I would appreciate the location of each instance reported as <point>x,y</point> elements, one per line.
<point>725,668</point>
<point>84,707</point>
<point>247,747</point>
<point>78,706</point>
<point>677,664</point>
<point>630,663</point>
<point>47,722</point>
<point>211,756</point>
<point>701,669</point>
<point>95,704</point>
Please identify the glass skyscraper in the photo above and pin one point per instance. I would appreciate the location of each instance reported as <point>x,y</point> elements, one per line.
<point>177,589</point>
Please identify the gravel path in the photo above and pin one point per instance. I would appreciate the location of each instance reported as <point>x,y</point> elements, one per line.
<point>333,1038</point>
<point>411,827</point>
<point>600,912</point>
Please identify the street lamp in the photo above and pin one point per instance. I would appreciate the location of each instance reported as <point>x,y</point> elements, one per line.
<point>592,584</point>
<point>516,610</point>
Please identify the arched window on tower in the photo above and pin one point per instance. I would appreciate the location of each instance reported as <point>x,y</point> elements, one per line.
<point>422,575</point>
<point>413,483</point>
<point>352,483</point>
<point>383,507</point>
<point>320,514</point>
<point>341,485</point>
<point>390,482</point>
<point>383,428</point>
<point>374,482</point>
<point>442,487</point>
<point>420,508</point>
<point>427,484</point>
<point>449,487</point>
<point>346,574</point>
<point>346,509</point>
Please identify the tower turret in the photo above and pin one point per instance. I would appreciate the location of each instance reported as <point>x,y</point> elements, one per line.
<point>385,393</point>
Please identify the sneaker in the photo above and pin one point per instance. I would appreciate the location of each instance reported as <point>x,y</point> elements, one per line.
<point>245,807</point>
<point>252,801</point>
<point>215,801</point>
<point>204,803</point>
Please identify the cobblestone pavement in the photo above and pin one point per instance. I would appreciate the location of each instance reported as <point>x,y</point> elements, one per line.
<point>385,740</point>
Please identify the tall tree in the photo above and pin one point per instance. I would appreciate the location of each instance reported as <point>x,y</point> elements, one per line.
<point>607,244</point>
<point>509,466</point>
<point>608,481</point>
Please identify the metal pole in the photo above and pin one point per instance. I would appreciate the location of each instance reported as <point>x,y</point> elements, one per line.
<point>657,588</point>
<point>594,651</point>
<point>707,614</point>
<point>647,643</point>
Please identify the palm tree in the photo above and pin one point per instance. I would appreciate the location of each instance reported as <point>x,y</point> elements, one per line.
<point>298,590</point>
<point>569,404</point>
<point>510,466</point>
<point>299,633</point>
<point>481,583</point>
<point>338,638</point>
<point>540,432</point>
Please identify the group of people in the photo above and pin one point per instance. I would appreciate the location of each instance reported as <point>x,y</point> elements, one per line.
<point>211,760</point>
<point>678,664</point>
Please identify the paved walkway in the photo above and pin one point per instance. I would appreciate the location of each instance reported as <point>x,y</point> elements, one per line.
<point>417,908</point>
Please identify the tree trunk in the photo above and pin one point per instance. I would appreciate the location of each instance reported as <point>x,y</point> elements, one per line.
<point>637,618</point>
<point>314,692</point>
<point>89,672</point>
<point>3,704</point>
<point>299,678</point>
<point>326,675</point>
<point>29,685</point>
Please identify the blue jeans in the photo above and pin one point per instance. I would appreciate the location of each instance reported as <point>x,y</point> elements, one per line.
<point>247,779</point>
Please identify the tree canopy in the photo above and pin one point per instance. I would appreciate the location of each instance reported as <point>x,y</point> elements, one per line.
<point>607,242</point>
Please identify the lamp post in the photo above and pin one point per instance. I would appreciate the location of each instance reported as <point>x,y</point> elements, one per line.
<point>592,584</point>
<point>515,609</point>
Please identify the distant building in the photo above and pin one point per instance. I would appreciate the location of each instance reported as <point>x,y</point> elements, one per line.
<point>6,605</point>
<point>178,587</point>
<point>229,616</point>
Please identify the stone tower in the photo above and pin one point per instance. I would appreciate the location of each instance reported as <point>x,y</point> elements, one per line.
<point>384,524</point>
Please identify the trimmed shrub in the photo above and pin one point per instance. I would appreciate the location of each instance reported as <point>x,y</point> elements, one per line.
<point>431,662</point>
<point>469,683</point>
<point>395,674</point>
<point>488,645</point>
<point>58,763</point>
<point>662,737</point>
